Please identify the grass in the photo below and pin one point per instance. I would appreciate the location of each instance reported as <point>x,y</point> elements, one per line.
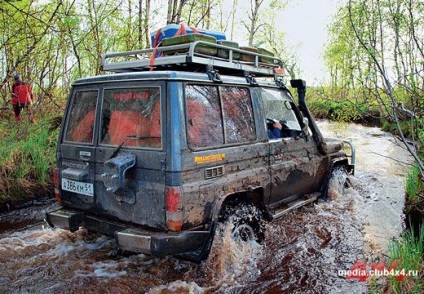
<point>27,158</point>
<point>408,256</point>
<point>409,250</point>
<point>414,186</point>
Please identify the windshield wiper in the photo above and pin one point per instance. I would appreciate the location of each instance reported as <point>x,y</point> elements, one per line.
<point>134,137</point>
<point>140,137</point>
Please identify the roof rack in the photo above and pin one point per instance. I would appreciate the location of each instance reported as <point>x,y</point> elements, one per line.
<point>187,56</point>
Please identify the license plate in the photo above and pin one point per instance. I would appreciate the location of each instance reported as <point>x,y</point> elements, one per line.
<point>77,187</point>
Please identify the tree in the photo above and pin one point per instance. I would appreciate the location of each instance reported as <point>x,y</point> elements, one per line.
<point>175,8</point>
<point>272,39</point>
<point>387,39</point>
<point>253,26</point>
<point>198,13</point>
<point>52,43</point>
<point>17,46</point>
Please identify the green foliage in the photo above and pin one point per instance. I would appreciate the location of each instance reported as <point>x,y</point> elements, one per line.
<point>343,106</point>
<point>27,159</point>
<point>413,186</point>
<point>374,49</point>
<point>391,127</point>
<point>409,250</point>
<point>53,43</point>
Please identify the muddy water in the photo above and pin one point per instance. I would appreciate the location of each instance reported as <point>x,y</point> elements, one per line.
<point>302,252</point>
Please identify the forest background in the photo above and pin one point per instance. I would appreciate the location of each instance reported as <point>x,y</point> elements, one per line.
<point>374,57</point>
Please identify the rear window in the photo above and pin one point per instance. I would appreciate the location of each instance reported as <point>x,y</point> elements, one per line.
<point>218,115</point>
<point>80,127</point>
<point>131,117</point>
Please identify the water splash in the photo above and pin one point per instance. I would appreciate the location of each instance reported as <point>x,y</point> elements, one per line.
<point>302,252</point>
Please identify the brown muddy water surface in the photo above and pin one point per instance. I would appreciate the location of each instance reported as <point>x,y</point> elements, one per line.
<point>302,252</point>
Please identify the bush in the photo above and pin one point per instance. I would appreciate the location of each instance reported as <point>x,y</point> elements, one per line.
<point>27,158</point>
<point>341,105</point>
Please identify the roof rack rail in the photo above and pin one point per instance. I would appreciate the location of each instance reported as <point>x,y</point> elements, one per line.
<point>186,56</point>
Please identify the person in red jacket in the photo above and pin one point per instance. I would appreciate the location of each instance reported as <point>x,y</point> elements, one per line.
<point>22,97</point>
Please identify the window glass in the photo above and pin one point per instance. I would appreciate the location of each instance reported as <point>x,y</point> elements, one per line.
<point>278,106</point>
<point>204,121</point>
<point>81,119</point>
<point>131,117</point>
<point>238,114</point>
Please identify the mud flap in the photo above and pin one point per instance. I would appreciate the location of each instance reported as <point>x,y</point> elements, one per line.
<point>202,252</point>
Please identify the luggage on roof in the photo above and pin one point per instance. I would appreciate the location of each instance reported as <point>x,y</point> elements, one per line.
<point>177,47</point>
<point>186,39</point>
<point>174,30</point>
<point>225,53</point>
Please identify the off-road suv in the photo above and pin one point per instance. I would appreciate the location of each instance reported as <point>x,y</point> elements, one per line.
<point>161,150</point>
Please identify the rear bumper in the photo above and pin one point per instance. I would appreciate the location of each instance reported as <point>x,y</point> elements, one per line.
<point>130,238</point>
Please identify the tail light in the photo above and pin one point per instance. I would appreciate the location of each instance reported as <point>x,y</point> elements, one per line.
<point>174,214</point>
<point>280,71</point>
<point>56,182</point>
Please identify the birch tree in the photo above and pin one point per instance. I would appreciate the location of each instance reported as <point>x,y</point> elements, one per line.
<point>392,35</point>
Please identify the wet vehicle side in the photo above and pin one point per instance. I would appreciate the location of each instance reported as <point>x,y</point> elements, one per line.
<point>157,158</point>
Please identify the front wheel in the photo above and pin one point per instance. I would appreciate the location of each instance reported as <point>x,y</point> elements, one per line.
<point>336,183</point>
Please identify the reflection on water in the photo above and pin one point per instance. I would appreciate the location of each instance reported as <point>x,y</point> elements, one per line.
<point>302,252</point>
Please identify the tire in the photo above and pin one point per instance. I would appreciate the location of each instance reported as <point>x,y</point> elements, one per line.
<point>337,182</point>
<point>247,222</point>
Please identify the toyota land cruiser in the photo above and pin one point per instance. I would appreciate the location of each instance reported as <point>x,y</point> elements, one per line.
<point>159,151</point>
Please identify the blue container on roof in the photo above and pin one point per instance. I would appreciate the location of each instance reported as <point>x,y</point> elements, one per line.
<point>172,30</point>
<point>217,34</point>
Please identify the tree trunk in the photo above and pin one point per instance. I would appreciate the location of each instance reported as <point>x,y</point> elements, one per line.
<point>253,21</point>
<point>170,11</point>
<point>147,23</point>
<point>140,23</point>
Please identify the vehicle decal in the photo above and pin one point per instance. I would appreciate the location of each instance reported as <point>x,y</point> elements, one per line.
<point>209,158</point>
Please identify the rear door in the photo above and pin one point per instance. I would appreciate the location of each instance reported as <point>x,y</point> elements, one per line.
<point>112,153</point>
<point>130,158</point>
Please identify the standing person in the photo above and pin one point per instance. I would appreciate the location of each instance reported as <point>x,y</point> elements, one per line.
<point>22,97</point>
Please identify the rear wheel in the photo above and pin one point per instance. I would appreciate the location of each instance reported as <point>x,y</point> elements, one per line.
<point>246,221</point>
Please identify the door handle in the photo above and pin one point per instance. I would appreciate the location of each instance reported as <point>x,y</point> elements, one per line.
<point>85,155</point>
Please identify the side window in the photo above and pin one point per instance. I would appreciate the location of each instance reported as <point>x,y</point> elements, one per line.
<point>219,115</point>
<point>278,106</point>
<point>238,114</point>
<point>131,117</point>
<point>204,121</point>
<point>81,119</point>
